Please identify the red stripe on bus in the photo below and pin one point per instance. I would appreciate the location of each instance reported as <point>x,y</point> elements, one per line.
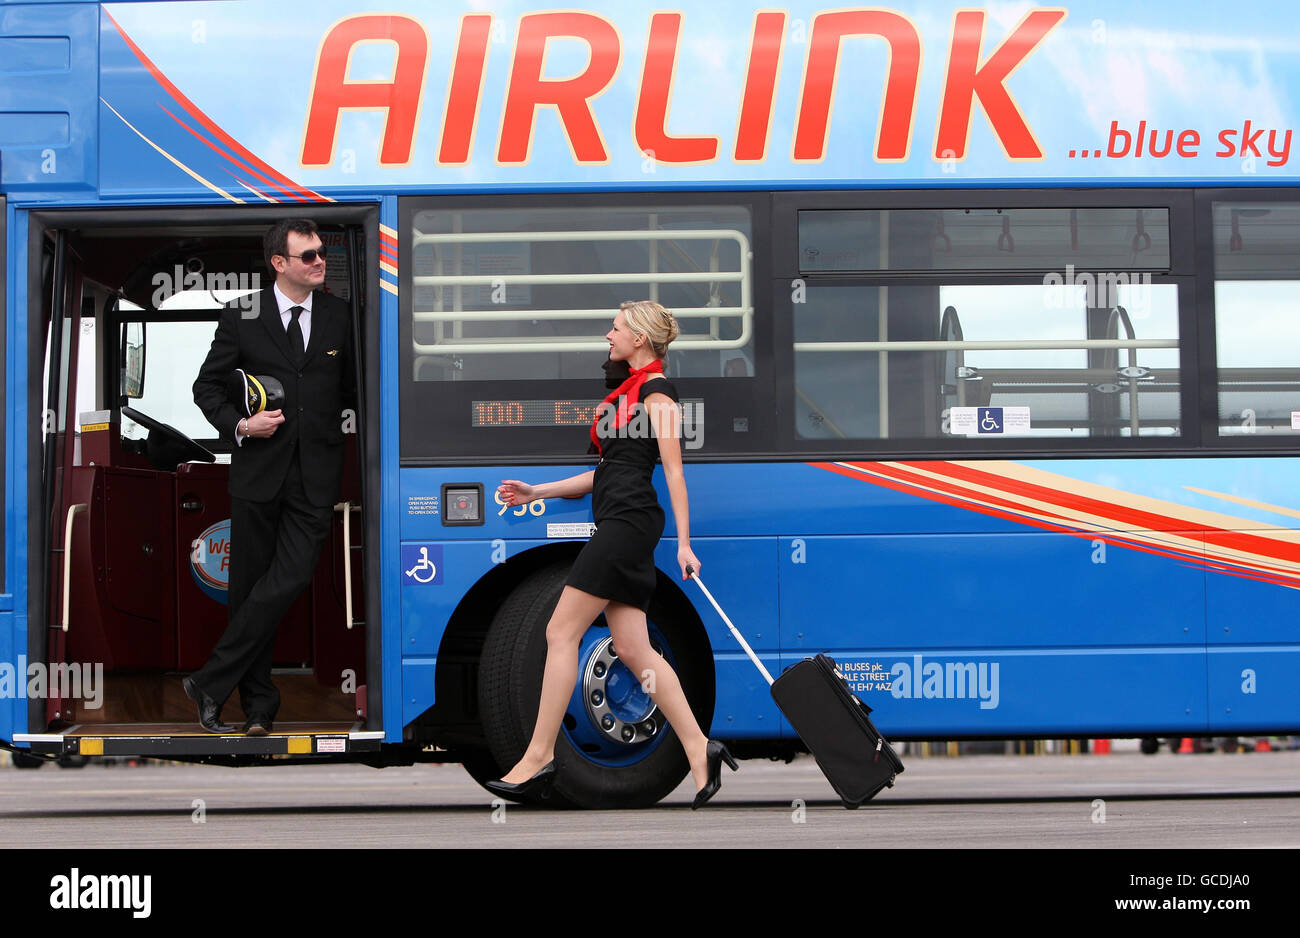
<point>1066,525</point>
<point>208,124</point>
<point>1199,561</point>
<point>238,162</point>
<point>1221,537</point>
<point>952,488</point>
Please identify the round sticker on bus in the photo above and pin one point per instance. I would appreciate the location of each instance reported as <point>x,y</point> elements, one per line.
<point>210,560</point>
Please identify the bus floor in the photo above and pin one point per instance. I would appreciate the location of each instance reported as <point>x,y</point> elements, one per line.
<point>301,728</point>
<point>128,702</point>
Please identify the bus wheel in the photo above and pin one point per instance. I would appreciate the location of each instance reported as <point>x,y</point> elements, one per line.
<point>23,760</point>
<point>1150,745</point>
<point>615,748</point>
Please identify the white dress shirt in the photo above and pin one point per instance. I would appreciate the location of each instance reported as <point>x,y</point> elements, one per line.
<point>286,306</point>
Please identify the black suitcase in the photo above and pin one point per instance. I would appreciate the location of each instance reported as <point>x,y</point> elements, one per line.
<point>833,723</point>
<point>837,729</point>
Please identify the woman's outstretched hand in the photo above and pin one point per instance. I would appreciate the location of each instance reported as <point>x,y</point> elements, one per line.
<point>513,492</point>
<point>686,557</point>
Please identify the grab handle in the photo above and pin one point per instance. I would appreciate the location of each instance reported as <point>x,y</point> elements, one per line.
<point>347,508</point>
<point>73,511</point>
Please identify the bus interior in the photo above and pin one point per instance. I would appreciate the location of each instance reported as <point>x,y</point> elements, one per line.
<point>132,538</point>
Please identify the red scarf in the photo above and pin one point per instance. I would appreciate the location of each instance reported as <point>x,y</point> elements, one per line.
<point>625,397</point>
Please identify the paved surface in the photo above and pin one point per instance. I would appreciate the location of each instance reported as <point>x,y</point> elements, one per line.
<point>1121,800</point>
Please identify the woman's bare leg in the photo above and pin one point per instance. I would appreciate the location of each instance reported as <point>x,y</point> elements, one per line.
<point>573,615</point>
<point>632,641</point>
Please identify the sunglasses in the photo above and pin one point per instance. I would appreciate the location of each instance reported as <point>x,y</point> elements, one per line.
<point>309,257</point>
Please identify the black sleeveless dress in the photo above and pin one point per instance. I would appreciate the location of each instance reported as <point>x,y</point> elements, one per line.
<point>618,562</point>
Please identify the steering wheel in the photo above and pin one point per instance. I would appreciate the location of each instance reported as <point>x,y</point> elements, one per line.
<point>167,447</point>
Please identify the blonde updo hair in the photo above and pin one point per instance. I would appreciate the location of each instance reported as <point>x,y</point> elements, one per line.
<point>651,320</point>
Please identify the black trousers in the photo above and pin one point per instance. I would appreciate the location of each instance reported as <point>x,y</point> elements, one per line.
<point>274,547</point>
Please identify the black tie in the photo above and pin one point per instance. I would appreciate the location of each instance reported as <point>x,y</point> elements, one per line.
<point>296,345</point>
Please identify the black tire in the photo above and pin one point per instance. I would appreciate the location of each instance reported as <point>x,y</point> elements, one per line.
<point>72,761</point>
<point>510,686</point>
<point>1150,745</point>
<point>25,760</point>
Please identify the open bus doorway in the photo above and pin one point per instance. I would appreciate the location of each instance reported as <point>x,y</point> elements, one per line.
<point>134,525</point>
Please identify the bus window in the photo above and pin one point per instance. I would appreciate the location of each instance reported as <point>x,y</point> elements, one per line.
<point>503,338</point>
<point>513,294</point>
<point>893,362</point>
<point>1257,316</point>
<point>175,352</point>
<point>984,239</point>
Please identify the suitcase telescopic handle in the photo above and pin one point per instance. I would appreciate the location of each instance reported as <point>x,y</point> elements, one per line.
<point>690,571</point>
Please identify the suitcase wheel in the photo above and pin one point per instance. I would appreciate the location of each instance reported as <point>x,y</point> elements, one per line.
<point>849,804</point>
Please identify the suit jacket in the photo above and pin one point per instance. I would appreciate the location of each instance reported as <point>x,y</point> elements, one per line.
<point>315,395</point>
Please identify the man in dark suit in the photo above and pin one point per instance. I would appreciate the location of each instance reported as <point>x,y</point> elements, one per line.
<point>286,465</point>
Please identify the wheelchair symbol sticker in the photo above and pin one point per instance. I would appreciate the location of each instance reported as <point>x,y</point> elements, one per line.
<point>987,421</point>
<point>422,564</point>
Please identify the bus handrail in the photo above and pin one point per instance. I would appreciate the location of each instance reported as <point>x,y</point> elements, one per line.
<point>347,508</point>
<point>462,345</point>
<point>494,315</point>
<point>937,345</point>
<point>628,234</point>
<point>73,511</point>
<point>562,344</point>
<point>650,276</point>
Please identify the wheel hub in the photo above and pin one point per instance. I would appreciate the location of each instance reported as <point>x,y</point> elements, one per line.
<point>618,705</point>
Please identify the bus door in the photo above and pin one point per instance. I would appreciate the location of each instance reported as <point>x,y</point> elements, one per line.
<point>338,589</point>
<point>66,493</point>
<point>134,520</point>
<point>106,528</point>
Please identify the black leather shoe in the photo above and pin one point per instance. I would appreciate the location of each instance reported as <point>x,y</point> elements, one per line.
<point>257,725</point>
<point>717,754</point>
<point>209,709</point>
<point>540,783</point>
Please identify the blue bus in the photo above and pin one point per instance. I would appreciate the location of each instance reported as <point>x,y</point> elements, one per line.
<point>990,364</point>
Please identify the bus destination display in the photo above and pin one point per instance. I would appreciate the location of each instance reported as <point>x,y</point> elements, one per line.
<point>537,413</point>
<point>559,412</point>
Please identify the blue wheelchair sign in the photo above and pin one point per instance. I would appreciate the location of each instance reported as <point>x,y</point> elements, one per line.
<point>990,420</point>
<point>422,564</point>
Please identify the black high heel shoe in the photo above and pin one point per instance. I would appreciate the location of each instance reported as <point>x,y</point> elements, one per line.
<point>717,754</point>
<point>540,783</point>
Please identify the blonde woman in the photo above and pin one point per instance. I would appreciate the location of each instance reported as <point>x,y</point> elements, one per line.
<point>615,572</point>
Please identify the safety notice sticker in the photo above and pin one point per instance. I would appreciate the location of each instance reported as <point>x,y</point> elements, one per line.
<point>576,529</point>
<point>1295,420</point>
<point>986,421</point>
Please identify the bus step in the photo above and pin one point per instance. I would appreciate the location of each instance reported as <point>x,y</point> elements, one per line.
<point>161,740</point>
